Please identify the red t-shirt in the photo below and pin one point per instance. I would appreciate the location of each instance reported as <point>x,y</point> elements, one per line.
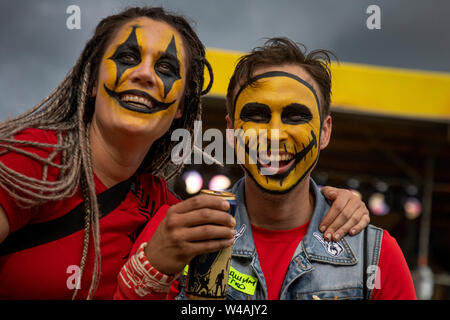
<point>275,249</point>
<point>47,271</point>
<point>395,281</point>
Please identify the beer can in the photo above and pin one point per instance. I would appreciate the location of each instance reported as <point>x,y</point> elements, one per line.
<point>207,277</point>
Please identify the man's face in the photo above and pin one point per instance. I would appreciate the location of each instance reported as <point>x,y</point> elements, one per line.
<point>283,106</point>
<point>142,78</point>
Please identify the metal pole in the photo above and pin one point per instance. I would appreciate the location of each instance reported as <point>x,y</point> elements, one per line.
<point>424,237</point>
<point>425,222</point>
<point>424,281</point>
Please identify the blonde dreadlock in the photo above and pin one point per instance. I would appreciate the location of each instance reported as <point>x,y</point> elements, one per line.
<point>68,111</point>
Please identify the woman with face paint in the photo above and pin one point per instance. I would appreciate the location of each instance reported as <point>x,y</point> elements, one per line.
<point>82,174</point>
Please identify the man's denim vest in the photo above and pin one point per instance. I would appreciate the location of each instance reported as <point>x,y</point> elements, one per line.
<point>318,269</point>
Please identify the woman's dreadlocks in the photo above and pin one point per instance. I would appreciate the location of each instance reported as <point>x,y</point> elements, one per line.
<point>68,110</point>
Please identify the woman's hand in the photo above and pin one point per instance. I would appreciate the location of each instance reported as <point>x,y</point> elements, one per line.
<point>348,214</point>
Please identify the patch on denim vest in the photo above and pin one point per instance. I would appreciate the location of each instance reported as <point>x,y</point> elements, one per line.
<point>240,232</point>
<point>333,248</point>
<point>242,282</point>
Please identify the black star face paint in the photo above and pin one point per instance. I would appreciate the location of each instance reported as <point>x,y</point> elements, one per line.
<point>127,55</point>
<point>141,73</point>
<point>168,67</point>
<point>282,109</point>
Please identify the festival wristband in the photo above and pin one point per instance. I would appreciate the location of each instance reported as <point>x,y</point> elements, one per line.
<point>140,276</point>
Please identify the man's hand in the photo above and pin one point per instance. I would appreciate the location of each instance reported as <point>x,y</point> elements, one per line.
<point>195,226</point>
<point>348,214</point>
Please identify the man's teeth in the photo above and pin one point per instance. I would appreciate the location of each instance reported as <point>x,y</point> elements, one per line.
<point>136,99</point>
<point>276,157</point>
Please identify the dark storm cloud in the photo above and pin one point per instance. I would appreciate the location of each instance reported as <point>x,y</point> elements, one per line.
<point>38,50</point>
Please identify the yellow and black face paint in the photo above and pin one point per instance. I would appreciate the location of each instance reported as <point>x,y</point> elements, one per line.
<point>285,109</point>
<point>166,61</point>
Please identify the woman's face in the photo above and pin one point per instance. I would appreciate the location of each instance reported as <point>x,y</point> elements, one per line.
<point>141,80</point>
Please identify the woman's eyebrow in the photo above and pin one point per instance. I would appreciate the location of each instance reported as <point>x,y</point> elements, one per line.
<point>171,52</point>
<point>168,56</point>
<point>132,46</point>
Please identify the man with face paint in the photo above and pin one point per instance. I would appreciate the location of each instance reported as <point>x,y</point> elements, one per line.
<point>281,95</point>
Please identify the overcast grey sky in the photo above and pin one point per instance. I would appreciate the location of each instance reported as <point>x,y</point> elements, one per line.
<point>37,49</point>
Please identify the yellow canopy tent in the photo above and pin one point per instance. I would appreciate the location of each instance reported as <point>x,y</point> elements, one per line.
<point>365,89</point>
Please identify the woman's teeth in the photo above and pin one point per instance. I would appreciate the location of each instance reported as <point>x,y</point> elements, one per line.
<point>134,99</point>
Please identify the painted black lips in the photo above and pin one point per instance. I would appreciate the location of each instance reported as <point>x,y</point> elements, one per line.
<point>299,156</point>
<point>156,105</point>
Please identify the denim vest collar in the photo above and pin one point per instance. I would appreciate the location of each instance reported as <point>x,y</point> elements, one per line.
<point>313,245</point>
<point>244,245</point>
